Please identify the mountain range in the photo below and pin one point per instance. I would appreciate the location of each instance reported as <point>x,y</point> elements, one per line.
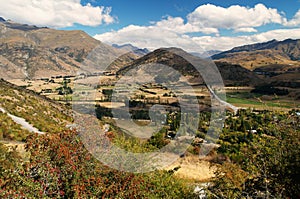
<point>232,74</point>
<point>206,54</point>
<point>131,48</point>
<point>35,52</point>
<point>258,55</point>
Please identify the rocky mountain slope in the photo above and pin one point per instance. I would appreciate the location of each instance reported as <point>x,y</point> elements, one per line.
<point>33,52</point>
<point>263,54</point>
<point>37,52</point>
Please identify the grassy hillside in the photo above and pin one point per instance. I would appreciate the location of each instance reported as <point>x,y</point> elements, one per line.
<point>57,164</point>
<point>45,115</point>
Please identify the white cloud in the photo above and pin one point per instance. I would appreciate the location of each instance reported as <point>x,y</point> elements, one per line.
<point>55,13</point>
<point>145,36</point>
<point>207,19</point>
<point>295,21</point>
<point>153,38</point>
<point>237,18</point>
<point>245,30</point>
<point>177,25</point>
<point>226,43</point>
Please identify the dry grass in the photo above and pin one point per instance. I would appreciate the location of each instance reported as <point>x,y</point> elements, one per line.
<point>111,104</point>
<point>20,147</point>
<point>256,59</point>
<point>192,168</point>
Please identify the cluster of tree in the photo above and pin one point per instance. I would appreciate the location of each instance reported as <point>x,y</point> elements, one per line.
<point>65,89</point>
<point>102,112</point>
<point>159,140</point>
<point>290,84</point>
<point>263,164</point>
<point>136,103</point>
<point>269,90</point>
<point>108,94</point>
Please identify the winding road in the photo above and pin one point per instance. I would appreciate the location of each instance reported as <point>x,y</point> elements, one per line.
<point>226,104</point>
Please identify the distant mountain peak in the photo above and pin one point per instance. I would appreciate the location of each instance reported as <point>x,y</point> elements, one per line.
<point>206,54</point>
<point>2,19</point>
<point>131,48</point>
<point>256,46</point>
<point>124,45</point>
<point>18,26</point>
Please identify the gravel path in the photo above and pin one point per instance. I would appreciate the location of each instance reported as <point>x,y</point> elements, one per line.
<point>22,122</point>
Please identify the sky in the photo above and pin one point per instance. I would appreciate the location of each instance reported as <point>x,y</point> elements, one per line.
<point>193,25</point>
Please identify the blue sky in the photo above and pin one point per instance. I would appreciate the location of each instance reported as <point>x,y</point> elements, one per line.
<point>139,12</point>
<point>193,25</point>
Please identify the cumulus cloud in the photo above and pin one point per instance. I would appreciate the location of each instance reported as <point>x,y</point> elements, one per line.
<point>226,43</point>
<point>178,25</point>
<point>237,18</point>
<point>152,38</point>
<point>55,13</point>
<point>145,36</point>
<point>295,21</point>
<point>208,20</point>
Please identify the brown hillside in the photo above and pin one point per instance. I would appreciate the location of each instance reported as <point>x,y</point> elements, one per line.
<point>253,56</point>
<point>32,52</point>
<point>231,74</point>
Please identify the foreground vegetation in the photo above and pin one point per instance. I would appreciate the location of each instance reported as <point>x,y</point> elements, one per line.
<point>60,167</point>
<point>42,113</point>
<point>257,157</point>
<point>264,164</point>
